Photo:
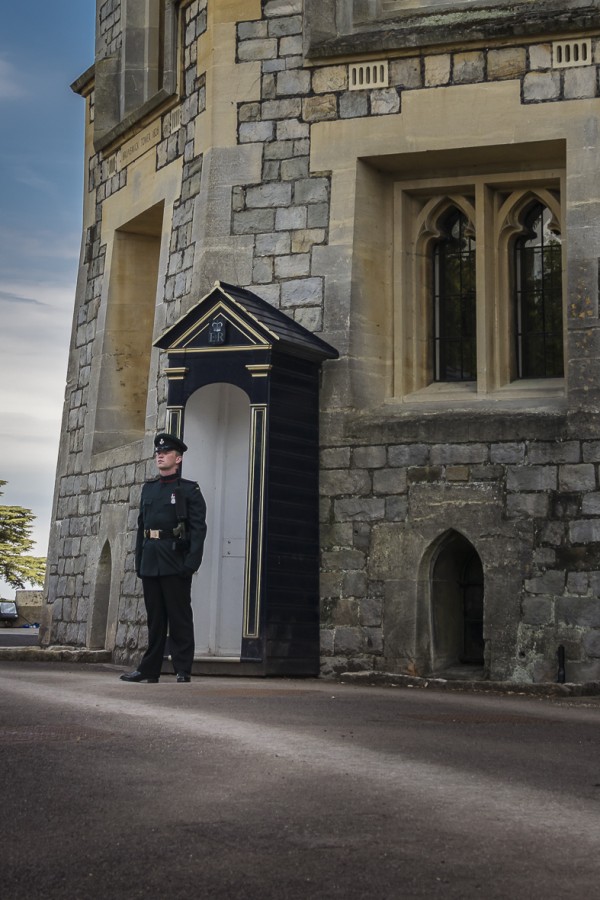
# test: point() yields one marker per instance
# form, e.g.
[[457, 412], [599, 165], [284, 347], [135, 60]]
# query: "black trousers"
[[169, 610]]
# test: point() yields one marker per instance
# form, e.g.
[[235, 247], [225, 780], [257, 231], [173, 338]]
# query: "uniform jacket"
[[169, 556]]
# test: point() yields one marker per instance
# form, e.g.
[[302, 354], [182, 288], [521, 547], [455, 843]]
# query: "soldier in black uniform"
[[170, 540]]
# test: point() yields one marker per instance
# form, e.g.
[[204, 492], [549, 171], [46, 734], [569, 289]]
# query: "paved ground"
[[231, 788]]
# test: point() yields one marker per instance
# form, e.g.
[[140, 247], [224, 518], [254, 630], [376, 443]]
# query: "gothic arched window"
[[538, 297], [454, 345]]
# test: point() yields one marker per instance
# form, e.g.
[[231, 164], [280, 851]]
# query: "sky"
[[44, 47]]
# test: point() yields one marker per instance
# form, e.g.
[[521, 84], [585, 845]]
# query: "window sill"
[[525, 393]]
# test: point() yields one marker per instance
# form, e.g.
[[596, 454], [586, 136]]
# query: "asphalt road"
[[232, 788]]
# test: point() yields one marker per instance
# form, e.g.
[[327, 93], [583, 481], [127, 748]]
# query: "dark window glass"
[[454, 347], [538, 298]]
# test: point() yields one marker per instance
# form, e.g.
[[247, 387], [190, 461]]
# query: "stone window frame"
[[495, 205], [117, 110], [338, 27]]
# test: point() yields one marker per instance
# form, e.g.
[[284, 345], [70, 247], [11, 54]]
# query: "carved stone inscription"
[[138, 145]]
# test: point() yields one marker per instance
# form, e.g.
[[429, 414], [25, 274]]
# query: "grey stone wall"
[[375, 476]]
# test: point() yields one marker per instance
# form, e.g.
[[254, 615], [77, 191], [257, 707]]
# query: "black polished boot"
[[183, 678], [138, 676]]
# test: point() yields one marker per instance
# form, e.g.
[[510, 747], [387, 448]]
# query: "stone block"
[[541, 452], [590, 505], [254, 221], [262, 48], [389, 481], [329, 78], [534, 506], [550, 582], [283, 8], [262, 270], [247, 30], [331, 585], [457, 473], [537, 611], [335, 457], [506, 63], [294, 266], [508, 453], [469, 68], [273, 244], [531, 478], [311, 190], [291, 45], [285, 26], [310, 317], [292, 169], [342, 560], [304, 239], [318, 215], [359, 509], [385, 102], [320, 108], [577, 583], [409, 455], [292, 130], [539, 86], [293, 82], [580, 477], [339, 482], [348, 640], [540, 56], [301, 290], [578, 611], [268, 195], [355, 584], [256, 132], [406, 73], [591, 644], [438, 69], [456, 454], [369, 457], [585, 531], [581, 83], [281, 109], [396, 508], [353, 105], [370, 611], [290, 219]]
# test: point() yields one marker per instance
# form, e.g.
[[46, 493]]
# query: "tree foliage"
[[17, 568]]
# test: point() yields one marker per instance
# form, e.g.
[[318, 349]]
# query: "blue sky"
[[44, 47]]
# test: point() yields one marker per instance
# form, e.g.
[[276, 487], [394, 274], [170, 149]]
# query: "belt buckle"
[[154, 533]]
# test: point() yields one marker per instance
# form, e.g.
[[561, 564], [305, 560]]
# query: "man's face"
[[167, 461]]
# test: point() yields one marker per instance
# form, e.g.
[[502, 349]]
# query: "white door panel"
[[217, 430]]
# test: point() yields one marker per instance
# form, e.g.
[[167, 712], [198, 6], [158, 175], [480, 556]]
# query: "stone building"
[[416, 185]]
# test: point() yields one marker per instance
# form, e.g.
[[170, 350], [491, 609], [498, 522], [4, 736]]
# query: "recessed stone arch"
[[456, 598], [96, 638]]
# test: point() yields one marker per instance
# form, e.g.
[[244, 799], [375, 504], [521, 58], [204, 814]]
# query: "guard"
[[170, 540]]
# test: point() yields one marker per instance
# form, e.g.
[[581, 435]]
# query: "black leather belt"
[[157, 535]]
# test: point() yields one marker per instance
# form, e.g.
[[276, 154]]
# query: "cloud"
[[27, 246], [11, 86], [7, 297]]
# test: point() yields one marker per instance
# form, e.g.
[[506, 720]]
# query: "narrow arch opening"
[[457, 605], [97, 631]]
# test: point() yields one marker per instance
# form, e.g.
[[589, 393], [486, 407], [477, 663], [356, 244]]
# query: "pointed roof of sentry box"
[[249, 321]]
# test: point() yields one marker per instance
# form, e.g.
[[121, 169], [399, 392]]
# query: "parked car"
[[8, 612]]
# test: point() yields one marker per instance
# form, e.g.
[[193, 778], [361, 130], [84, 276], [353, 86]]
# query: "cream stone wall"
[[262, 167]]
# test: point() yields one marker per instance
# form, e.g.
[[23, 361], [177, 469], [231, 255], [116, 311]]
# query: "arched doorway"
[[96, 638], [217, 432], [457, 604]]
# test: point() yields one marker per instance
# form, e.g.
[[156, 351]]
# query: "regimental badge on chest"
[[173, 499]]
